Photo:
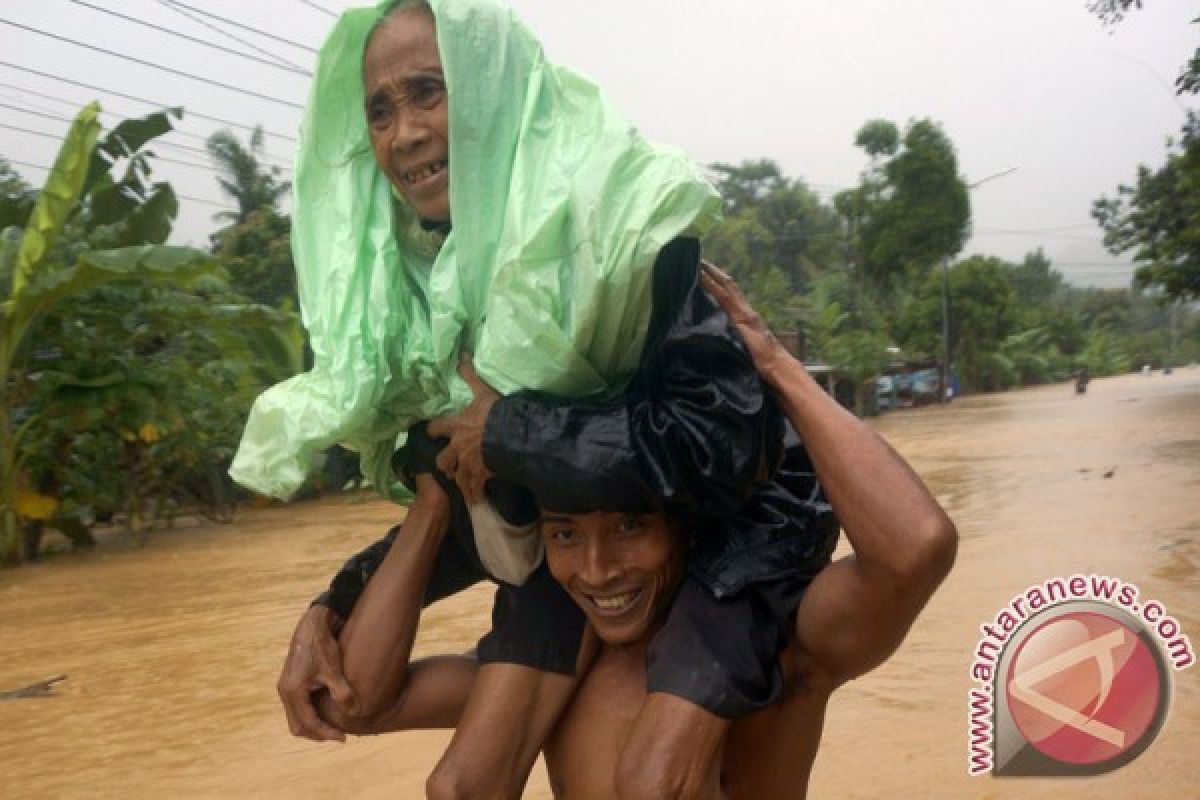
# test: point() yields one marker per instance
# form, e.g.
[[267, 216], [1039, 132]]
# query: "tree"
[[983, 314], [846, 334], [1025, 358], [1035, 280], [1158, 219], [16, 197], [777, 237], [1112, 12], [878, 138], [744, 185], [1104, 354], [244, 176], [40, 270], [911, 208], [257, 252], [160, 381]]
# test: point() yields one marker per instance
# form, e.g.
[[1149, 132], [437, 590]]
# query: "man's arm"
[[314, 660], [511, 712], [377, 640], [857, 611]]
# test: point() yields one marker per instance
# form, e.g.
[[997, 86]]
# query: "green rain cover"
[[559, 208]]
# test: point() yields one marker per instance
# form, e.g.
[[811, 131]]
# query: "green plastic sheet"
[[559, 208]]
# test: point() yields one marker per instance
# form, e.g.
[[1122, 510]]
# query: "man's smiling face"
[[621, 569], [407, 110]]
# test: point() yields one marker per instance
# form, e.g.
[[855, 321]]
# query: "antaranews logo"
[[1071, 678]]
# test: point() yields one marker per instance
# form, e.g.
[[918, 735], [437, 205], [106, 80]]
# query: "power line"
[[193, 39], [135, 98], [57, 137], [205, 202], [58, 117], [161, 143], [152, 65], [1051, 229], [1093, 264], [74, 104], [19, 129], [1078, 237], [26, 164], [322, 9], [239, 25], [61, 118], [180, 196], [229, 35]]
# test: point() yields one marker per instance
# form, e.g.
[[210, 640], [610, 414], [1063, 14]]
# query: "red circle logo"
[[1083, 688]]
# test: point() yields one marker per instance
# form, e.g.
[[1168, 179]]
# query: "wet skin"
[[407, 110], [620, 568]]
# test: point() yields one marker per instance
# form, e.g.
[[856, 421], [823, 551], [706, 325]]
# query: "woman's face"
[[407, 112]]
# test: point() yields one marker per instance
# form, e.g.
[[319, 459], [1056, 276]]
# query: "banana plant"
[[41, 269]]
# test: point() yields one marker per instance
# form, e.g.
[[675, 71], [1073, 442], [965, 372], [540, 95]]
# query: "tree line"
[[127, 366]]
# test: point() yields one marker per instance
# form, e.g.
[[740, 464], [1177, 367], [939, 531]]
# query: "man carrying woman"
[[457, 193], [624, 570]]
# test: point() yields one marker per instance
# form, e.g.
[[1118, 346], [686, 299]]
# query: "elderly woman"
[[508, 211]]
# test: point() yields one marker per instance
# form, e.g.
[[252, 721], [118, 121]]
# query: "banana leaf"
[[153, 263], [57, 199]]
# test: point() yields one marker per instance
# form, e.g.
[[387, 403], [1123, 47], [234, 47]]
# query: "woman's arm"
[[857, 611], [377, 640]]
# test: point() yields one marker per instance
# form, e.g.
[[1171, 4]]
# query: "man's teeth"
[[616, 601], [424, 172]]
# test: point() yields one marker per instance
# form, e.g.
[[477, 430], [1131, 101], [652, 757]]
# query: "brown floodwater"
[[172, 650]]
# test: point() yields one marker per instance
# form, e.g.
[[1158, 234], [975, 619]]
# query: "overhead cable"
[[135, 98], [58, 117], [196, 19], [152, 65], [193, 39], [179, 7], [239, 25], [177, 194], [322, 9], [57, 137], [19, 129], [187, 148]]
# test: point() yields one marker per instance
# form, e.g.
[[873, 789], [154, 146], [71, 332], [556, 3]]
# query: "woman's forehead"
[[405, 43]]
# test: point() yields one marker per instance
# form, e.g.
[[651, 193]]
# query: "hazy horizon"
[[1045, 88]]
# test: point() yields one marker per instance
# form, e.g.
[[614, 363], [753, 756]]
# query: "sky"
[[1036, 85]]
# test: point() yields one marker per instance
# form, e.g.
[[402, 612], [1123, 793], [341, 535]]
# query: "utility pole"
[[945, 381]]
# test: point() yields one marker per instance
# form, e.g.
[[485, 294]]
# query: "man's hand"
[[764, 348], [462, 459], [314, 662]]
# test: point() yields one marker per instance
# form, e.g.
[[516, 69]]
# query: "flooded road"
[[172, 650]]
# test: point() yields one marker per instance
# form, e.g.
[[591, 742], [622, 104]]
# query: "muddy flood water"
[[172, 650]]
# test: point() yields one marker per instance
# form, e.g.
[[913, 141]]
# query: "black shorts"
[[723, 654], [720, 654], [534, 625]]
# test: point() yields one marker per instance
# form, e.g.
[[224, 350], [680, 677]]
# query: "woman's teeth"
[[427, 171], [615, 602]]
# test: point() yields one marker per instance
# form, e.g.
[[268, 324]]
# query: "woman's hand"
[[462, 458], [430, 501], [768, 354]]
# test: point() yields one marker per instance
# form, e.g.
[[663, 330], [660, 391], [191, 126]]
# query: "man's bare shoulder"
[[771, 752], [582, 753], [767, 754]]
